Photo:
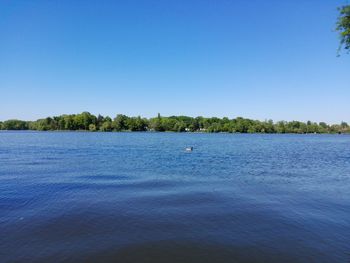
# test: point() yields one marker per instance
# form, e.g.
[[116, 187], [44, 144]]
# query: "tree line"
[[86, 121]]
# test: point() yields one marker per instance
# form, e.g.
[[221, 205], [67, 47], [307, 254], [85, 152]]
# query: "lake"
[[140, 197]]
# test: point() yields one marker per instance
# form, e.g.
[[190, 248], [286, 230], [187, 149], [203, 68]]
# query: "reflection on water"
[[139, 197]]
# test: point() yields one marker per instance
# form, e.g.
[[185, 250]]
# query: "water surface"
[[139, 197]]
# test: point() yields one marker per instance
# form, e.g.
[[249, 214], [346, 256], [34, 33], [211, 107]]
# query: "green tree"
[[69, 123], [168, 124], [120, 123], [179, 126], [83, 120], [136, 124], [106, 126], [99, 121], [343, 27], [156, 123], [281, 127], [14, 125], [43, 124]]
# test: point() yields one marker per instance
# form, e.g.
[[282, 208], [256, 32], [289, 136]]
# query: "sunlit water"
[[140, 197]]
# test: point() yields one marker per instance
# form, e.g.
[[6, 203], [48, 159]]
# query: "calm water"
[[139, 197]]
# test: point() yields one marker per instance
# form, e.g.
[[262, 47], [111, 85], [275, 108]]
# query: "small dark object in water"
[[189, 149]]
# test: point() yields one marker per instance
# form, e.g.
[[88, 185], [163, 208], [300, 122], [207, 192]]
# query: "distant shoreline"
[[121, 123], [172, 132]]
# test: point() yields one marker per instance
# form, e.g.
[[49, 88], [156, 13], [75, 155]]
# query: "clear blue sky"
[[260, 59]]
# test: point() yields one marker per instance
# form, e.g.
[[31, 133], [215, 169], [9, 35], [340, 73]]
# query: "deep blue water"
[[139, 197]]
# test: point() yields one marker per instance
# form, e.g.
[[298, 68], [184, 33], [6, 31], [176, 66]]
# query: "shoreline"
[[187, 132]]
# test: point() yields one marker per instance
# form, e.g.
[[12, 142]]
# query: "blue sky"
[[260, 59]]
